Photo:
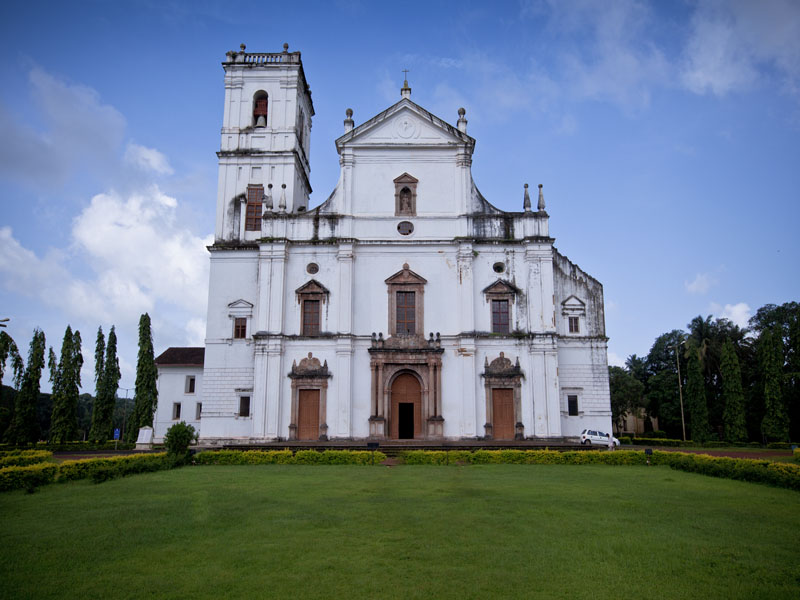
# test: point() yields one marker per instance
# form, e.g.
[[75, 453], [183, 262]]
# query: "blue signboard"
[[116, 434]]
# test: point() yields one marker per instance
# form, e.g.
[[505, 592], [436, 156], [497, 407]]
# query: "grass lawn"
[[494, 531]]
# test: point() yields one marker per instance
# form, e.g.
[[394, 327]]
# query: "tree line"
[[64, 415], [736, 384]]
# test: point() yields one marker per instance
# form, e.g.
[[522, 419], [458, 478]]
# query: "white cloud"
[[141, 251], [701, 284], [730, 42], [739, 314], [147, 159], [615, 360]]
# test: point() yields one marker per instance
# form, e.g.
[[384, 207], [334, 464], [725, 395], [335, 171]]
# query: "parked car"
[[590, 436]]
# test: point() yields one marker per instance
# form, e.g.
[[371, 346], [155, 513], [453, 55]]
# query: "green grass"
[[499, 531]]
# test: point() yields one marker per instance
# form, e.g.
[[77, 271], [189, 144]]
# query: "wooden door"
[[503, 414], [308, 415], [406, 390]]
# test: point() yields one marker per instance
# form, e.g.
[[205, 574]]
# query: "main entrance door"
[[503, 414], [406, 415], [308, 415]]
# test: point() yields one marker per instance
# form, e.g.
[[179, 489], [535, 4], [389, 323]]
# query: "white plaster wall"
[[171, 388]]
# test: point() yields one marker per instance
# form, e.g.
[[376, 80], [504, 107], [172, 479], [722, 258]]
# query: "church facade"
[[405, 306]]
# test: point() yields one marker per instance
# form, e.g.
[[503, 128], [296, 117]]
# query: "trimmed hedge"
[[71, 446], [778, 474], [28, 477], [663, 442], [101, 469], [286, 457], [21, 458]]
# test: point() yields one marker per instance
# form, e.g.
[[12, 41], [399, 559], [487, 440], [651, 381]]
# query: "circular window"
[[405, 227], [312, 268], [499, 267]]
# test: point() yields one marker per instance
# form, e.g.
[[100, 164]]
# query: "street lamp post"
[[680, 388]]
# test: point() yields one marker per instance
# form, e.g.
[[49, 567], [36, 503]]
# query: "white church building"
[[405, 306]]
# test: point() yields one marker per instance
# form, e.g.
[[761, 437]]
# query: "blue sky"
[[666, 134]]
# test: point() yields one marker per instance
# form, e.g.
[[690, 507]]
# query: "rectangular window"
[[572, 404], [176, 411], [240, 328], [310, 317], [500, 316], [406, 313], [188, 387], [244, 406], [198, 410], [574, 325], [253, 211]]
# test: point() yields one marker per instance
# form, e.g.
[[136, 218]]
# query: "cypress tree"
[[733, 414], [696, 398], [775, 425], [99, 356], [24, 428], [146, 393], [8, 348], [66, 378], [103, 411]]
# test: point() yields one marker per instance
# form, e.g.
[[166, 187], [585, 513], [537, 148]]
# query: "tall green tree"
[[696, 396], [99, 357], [626, 395], [733, 415], [103, 411], [66, 377], [8, 349], [146, 394], [775, 425], [661, 388], [24, 428]]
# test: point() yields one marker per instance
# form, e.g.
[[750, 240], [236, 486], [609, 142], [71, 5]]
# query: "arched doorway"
[[406, 410]]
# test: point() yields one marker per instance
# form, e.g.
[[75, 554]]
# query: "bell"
[[262, 121]]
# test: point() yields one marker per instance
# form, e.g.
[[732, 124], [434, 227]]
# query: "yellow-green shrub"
[[27, 477], [21, 458], [286, 457], [109, 468]]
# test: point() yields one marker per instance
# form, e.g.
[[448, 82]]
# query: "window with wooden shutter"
[[500, 316], [406, 313], [253, 211], [240, 328], [311, 317]]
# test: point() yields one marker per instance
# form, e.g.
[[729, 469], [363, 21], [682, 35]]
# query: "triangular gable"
[[406, 276], [500, 287], [573, 305], [240, 304], [405, 178], [419, 120], [312, 287]]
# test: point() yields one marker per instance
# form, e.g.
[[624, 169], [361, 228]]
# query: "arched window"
[[260, 109]]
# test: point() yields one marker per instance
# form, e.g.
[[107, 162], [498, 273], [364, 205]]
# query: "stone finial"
[[405, 266], [282, 201], [242, 47], [540, 205], [348, 122], [486, 363], [526, 201], [405, 91], [268, 198], [285, 48], [309, 355], [462, 120]]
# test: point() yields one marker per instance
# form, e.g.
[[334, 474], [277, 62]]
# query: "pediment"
[[404, 123], [312, 287], [240, 303], [573, 305], [405, 178], [406, 276], [500, 287]]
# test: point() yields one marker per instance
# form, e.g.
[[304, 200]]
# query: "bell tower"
[[265, 146]]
